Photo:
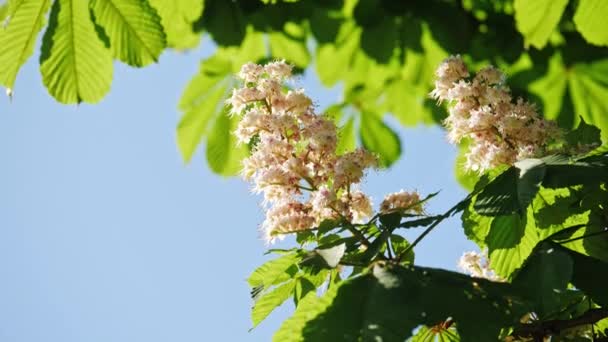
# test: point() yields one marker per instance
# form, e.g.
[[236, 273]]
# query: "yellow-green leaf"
[[290, 45], [23, 20], [377, 137], [224, 155], [133, 26], [75, 64], [270, 301], [590, 20], [536, 19], [177, 18]]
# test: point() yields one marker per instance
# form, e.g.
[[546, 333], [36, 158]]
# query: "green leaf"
[[389, 303], [513, 190], [203, 107], [134, 28], [290, 45], [177, 18], [377, 137], [566, 90], [537, 19], [224, 154], [225, 22], [400, 245], [273, 272], [436, 333], [466, 178], [590, 275], [476, 227], [545, 278], [510, 242], [584, 134], [531, 174], [499, 197], [588, 85], [75, 64], [265, 304], [333, 60], [347, 140], [590, 21], [23, 21]]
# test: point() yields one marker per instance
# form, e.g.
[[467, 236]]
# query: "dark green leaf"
[[590, 275], [388, 304], [584, 134], [545, 277]]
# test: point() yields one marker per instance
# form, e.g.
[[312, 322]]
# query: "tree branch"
[[538, 330]]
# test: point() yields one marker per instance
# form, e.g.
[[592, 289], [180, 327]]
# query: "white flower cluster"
[[294, 150], [477, 265], [501, 130], [401, 201]]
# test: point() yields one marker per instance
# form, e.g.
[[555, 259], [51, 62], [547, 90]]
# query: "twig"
[[555, 326]]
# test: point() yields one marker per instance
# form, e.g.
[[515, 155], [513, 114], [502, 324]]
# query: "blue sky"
[[105, 235]]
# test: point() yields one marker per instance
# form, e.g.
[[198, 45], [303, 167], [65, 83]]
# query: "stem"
[[438, 220], [420, 237], [356, 233], [555, 326]]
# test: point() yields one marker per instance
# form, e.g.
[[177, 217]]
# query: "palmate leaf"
[[545, 277], [510, 242], [581, 86], [204, 108], [513, 190], [390, 302], [436, 334], [590, 21], [274, 272], [377, 137], [590, 275], [23, 20], [290, 45], [75, 64], [537, 19], [134, 28], [267, 302], [177, 18]]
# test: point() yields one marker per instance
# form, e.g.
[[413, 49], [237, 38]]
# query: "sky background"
[[106, 236]]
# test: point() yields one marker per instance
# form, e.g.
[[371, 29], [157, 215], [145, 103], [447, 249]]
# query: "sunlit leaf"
[[510, 242], [377, 137], [22, 21], [75, 64], [267, 302], [537, 19], [273, 272], [290, 45], [134, 28], [224, 154], [590, 21], [177, 18]]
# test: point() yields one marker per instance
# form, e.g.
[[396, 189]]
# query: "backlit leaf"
[[75, 64], [134, 28]]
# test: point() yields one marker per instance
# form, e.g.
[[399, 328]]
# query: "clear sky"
[[106, 236]]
